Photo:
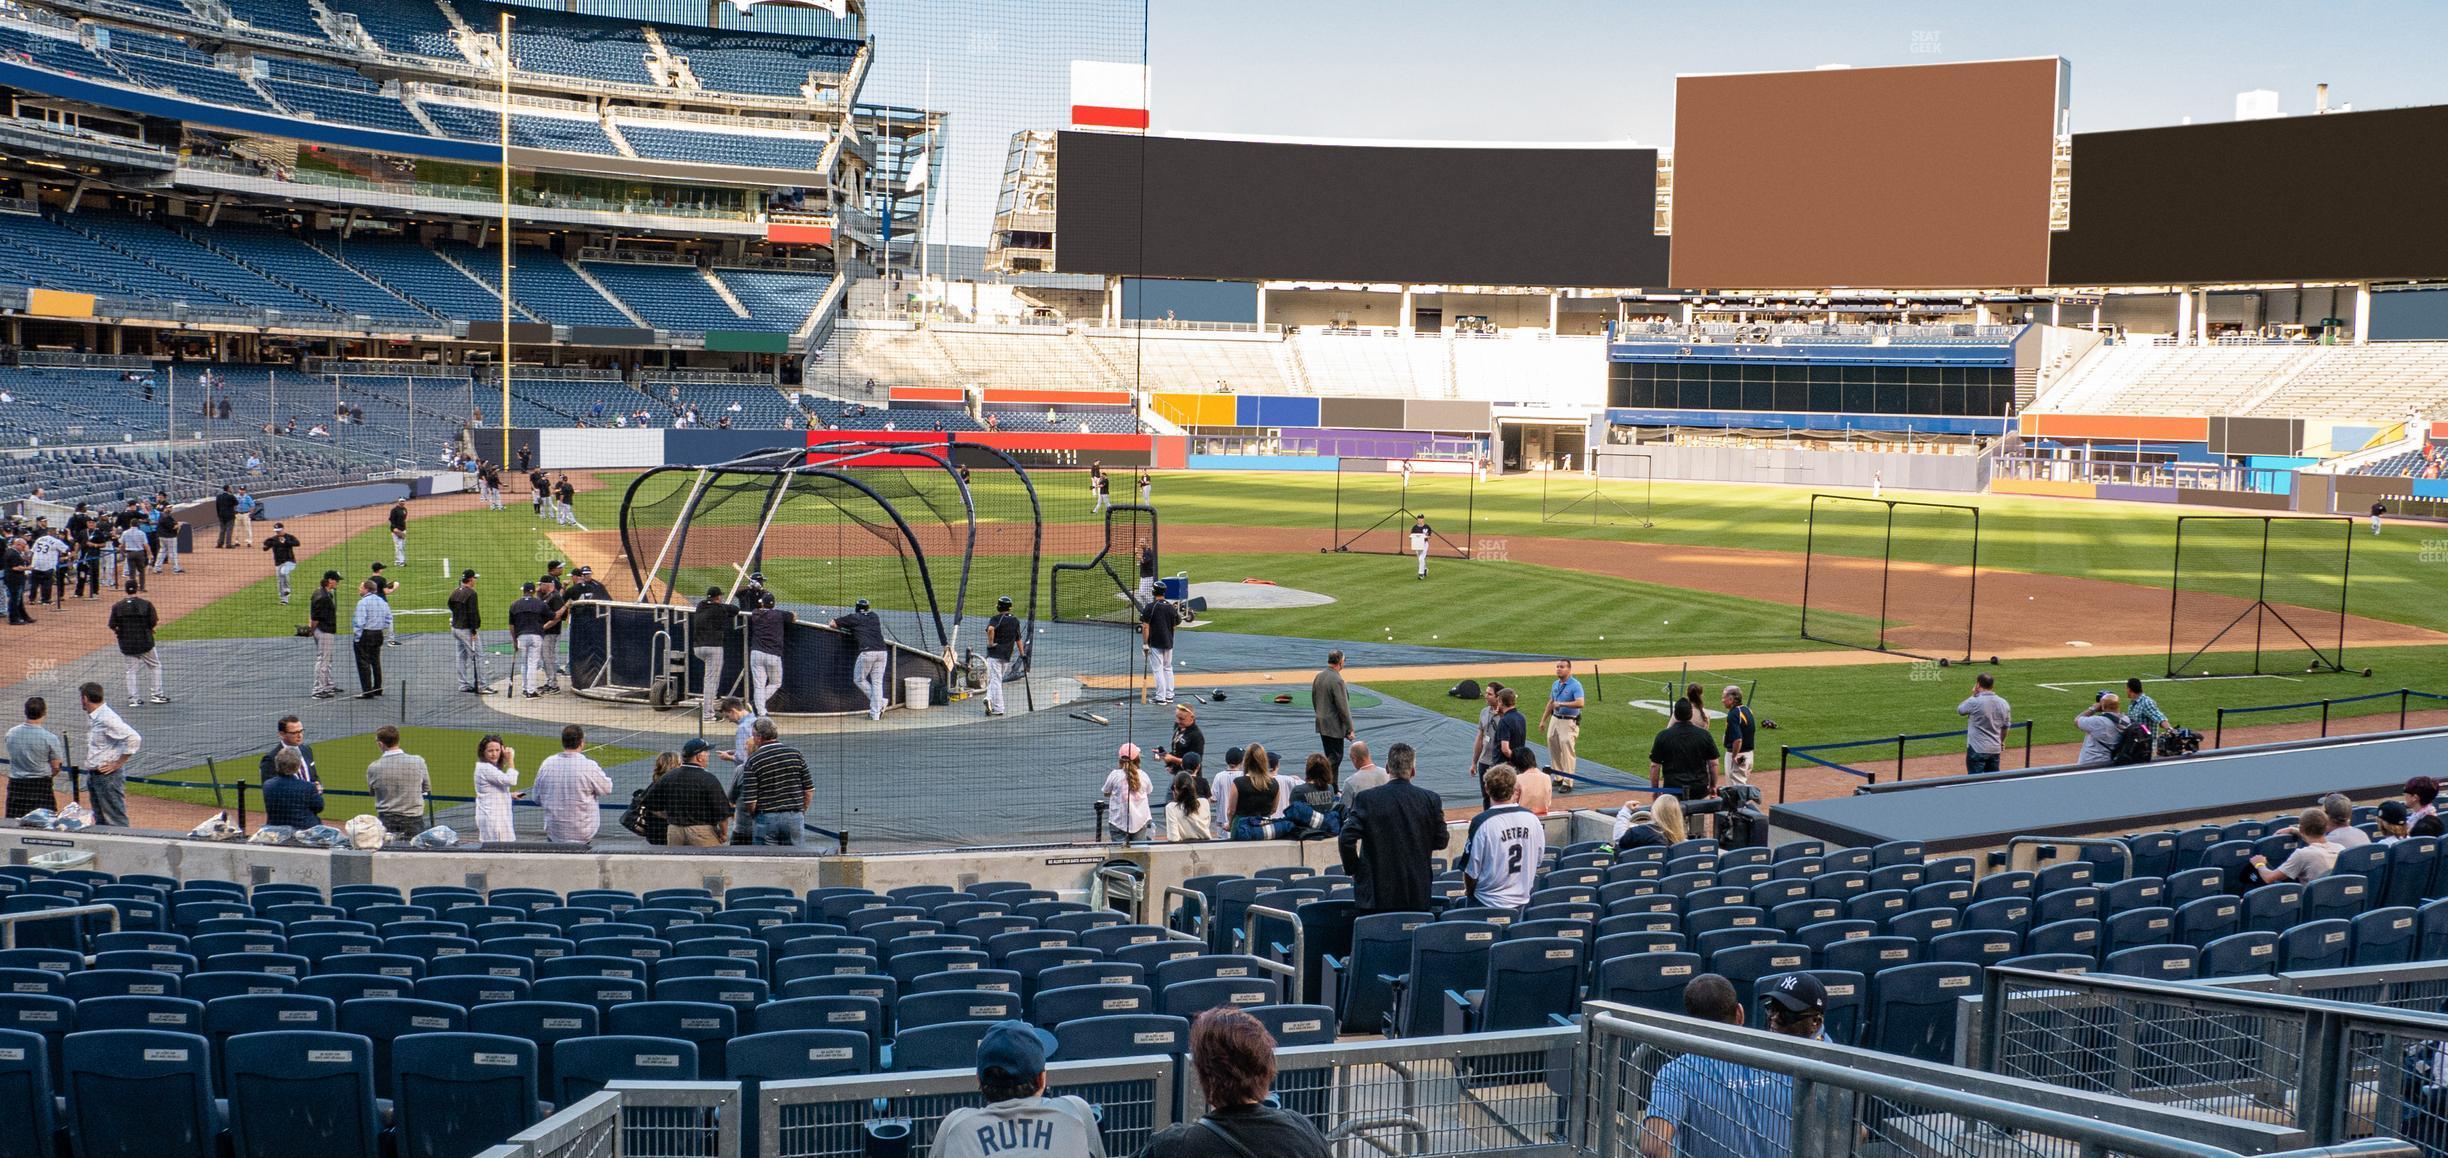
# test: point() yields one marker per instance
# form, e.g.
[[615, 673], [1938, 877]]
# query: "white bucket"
[[917, 693]]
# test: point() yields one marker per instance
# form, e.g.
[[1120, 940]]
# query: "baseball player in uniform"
[[768, 631], [467, 627], [1147, 573], [527, 616], [1421, 533], [1004, 647], [1098, 484], [399, 534], [867, 635], [1156, 631], [709, 628], [283, 546]]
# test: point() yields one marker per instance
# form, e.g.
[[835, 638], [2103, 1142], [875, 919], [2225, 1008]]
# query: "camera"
[[2098, 696], [1742, 824]]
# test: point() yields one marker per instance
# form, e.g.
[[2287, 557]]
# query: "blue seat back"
[[1975, 946], [1913, 1008], [142, 1091], [1646, 980], [300, 1093], [176, 1014], [1121, 1035], [1381, 945], [2273, 908], [384, 1020], [2157, 962], [915, 1010], [1868, 955], [2327, 944], [950, 1045], [461, 1093], [583, 1065], [2336, 897], [2240, 955], [87, 984], [2137, 927], [541, 1022], [2080, 936], [705, 1025], [2385, 936], [2413, 866], [1052, 1007], [1529, 981], [25, 1095]]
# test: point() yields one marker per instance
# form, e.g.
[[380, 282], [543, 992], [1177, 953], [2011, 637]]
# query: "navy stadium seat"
[[141, 1092], [2325, 944], [2240, 955], [1121, 1035], [583, 1065], [461, 1093], [25, 1096], [541, 1022], [1646, 980], [2387, 936], [1913, 1008]]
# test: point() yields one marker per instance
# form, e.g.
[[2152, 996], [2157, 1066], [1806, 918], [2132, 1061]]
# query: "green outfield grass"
[[2125, 542], [340, 761], [1869, 701]]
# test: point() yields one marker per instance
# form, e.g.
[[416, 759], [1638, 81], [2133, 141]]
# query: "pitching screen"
[[1933, 176], [1201, 208], [2354, 195]]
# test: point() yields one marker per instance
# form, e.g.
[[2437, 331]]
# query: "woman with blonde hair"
[[1254, 799], [1126, 796], [1658, 822]]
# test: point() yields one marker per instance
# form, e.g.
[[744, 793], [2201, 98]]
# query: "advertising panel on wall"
[[1193, 207], [1927, 176]]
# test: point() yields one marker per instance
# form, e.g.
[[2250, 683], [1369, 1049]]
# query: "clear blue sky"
[[1582, 70]]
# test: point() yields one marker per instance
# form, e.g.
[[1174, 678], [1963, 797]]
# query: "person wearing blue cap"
[[1018, 1119]]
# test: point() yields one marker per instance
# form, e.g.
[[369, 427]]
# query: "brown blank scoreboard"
[[1919, 177]]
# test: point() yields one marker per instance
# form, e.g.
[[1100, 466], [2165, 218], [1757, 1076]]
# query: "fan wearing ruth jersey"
[[1506, 844]]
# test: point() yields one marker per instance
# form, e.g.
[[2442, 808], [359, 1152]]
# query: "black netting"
[[2254, 594], [1892, 576]]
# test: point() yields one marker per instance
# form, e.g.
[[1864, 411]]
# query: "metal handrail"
[[1189, 897], [1298, 970], [10, 921]]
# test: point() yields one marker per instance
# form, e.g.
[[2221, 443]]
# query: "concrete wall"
[[1064, 869]]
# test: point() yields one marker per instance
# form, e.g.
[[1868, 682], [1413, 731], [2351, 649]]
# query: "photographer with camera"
[[1683, 758], [2102, 725]]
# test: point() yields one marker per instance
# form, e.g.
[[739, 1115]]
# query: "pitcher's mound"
[[1252, 596]]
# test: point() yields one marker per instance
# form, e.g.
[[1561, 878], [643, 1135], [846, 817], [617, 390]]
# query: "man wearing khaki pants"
[[1741, 735], [1563, 719]]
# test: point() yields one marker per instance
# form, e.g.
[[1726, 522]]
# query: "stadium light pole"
[[505, 236]]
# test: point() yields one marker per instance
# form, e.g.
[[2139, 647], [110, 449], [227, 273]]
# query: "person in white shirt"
[[496, 788], [567, 785], [46, 553], [1506, 844], [2342, 831], [109, 744], [1125, 795], [1186, 815], [2316, 859]]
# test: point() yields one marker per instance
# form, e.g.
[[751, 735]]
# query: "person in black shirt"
[[690, 801], [1683, 757], [1388, 834], [1235, 1063], [586, 587], [1097, 485], [1004, 647], [866, 638], [539, 487], [709, 640], [1187, 736], [166, 543], [563, 492], [97, 544], [526, 457], [752, 596], [399, 532], [467, 624], [283, 546], [18, 563], [527, 616], [323, 615], [768, 635], [132, 623], [556, 601], [225, 511], [291, 798], [1147, 572], [1156, 632]]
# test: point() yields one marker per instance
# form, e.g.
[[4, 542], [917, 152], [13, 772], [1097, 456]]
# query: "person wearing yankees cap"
[[867, 636], [1004, 647]]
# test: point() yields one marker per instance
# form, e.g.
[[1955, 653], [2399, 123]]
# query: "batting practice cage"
[[932, 535], [1891, 575], [2258, 594], [1113, 585], [1613, 492], [1376, 500]]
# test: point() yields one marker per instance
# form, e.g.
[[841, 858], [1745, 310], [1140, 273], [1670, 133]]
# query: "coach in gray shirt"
[[1986, 715], [399, 784]]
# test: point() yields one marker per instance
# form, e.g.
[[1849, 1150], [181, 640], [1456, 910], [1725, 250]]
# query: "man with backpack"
[[2109, 737]]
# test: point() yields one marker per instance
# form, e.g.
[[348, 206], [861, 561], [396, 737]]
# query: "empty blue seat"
[[862, 1014], [176, 1014], [1745, 965], [1528, 984], [1646, 980], [743, 994], [2079, 936], [1868, 955], [2240, 955], [875, 987], [1923, 924], [470, 991], [583, 1065], [227, 1017], [299, 1093], [601, 992], [541, 1022], [142, 1091], [1825, 933], [2327, 944], [1879, 905], [2136, 893], [2386, 936], [2368, 861], [49, 1016], [1052, 1007], [1975, 946], [2137, 927], [395, 965], [2433, 944], [2413, 863], [2159, 962], [33, 981], [2052, 962], [2273, 908], [2336, 897], [2068, 904], [1380, 947], [1122, 1035], [383, 1021], [1913, 1008], [2199, 922], [1188, 999], [87, 984], [483, 965], [25, 1096], [916, 1010], [461, 1093], [950, 1045], [704, 1025]]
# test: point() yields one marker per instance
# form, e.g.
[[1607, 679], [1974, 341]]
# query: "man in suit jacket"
[[1387, 838], [292, 738], [1333, 704]]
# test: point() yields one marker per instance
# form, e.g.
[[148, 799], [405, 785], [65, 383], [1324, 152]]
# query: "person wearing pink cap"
[[1126, 796]]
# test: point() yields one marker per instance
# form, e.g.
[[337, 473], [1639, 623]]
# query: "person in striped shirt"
[[775, 786]]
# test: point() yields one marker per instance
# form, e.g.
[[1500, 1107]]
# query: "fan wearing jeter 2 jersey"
[[1505, 846]]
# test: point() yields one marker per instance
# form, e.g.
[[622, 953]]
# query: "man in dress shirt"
[[567, 786], [371, 623]]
